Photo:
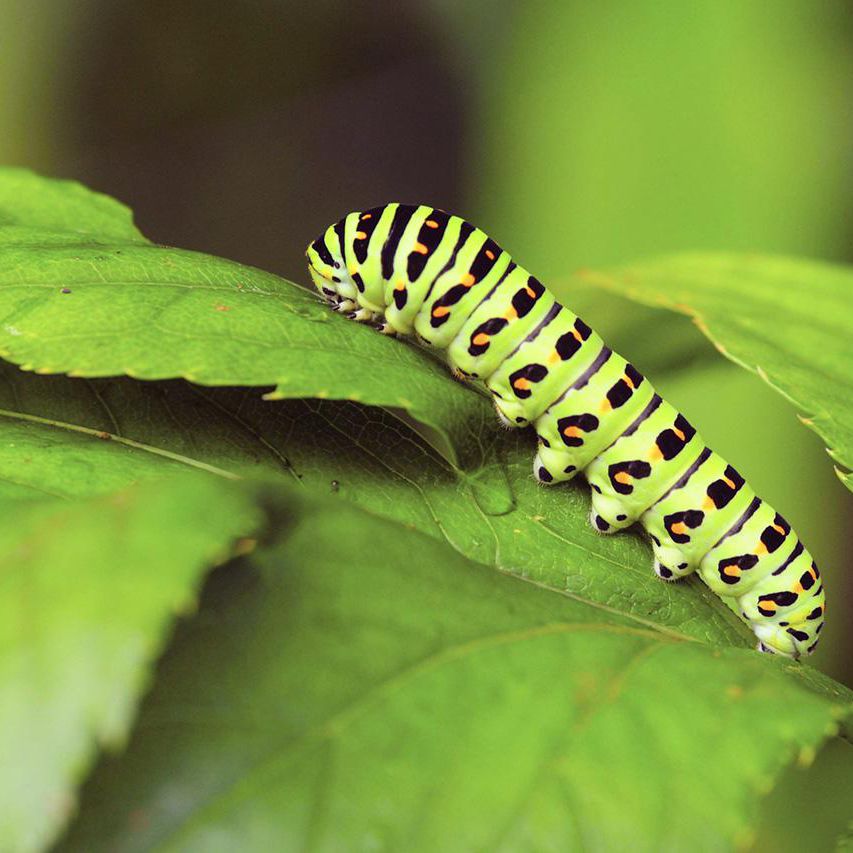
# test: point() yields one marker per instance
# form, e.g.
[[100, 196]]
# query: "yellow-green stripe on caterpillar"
[[417, 270]]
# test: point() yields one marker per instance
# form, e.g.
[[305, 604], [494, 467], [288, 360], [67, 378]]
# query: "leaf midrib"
[[103, 435]]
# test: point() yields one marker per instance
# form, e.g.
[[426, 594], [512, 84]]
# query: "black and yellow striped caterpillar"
[[418, 270]]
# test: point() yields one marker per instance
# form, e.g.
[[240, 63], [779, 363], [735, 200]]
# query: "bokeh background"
[[577, 133]]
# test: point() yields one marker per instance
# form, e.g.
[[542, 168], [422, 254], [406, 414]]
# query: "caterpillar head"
[[327, 267]]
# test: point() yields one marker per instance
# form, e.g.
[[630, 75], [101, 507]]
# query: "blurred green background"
[[576, 133]]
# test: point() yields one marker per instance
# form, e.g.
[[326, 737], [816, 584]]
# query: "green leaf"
[[88, 596], [28, 201], [787, 320], [154, 313], [82, 292], [785, 825], [91, 437], [355, 685]]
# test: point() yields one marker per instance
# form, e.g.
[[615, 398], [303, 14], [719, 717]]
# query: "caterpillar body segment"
[[415, 270]]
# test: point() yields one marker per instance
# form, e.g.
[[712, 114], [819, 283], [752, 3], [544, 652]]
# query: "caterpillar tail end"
[[773, 640], [769, 650]]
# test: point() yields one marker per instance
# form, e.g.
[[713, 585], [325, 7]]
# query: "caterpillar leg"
[[385, 328], [505, 421], [600, 524], [609, 513], [549, 467], [673, 571], [362, 315], [671, 563]]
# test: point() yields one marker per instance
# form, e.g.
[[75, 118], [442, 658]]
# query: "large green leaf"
[[89, 437], [790, 321], [353, 685], [88, 591], [77, 297], [28, 201]]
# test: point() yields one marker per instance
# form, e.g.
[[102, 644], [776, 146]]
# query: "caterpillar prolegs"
[[418, 270]]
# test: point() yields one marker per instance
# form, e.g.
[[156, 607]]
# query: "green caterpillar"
[[418, 270]]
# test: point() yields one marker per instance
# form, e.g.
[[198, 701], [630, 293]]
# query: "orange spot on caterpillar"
[[732, 570], [360, 235], [678, 432], [768, 605], [622, 477], [480, 339], [530, 291], [468, 280], [731, 485], [630, 383], [577, 336], [708, 504], [440, 311], [797, 588], [655, 454], [521, 383], [400, 285], [490, 254], [779, 529], [431, 223], [605, 405], [679, 527], [510, 314], [554, 357], [571, 432], [420, 249], [760, 549], [366, 216]]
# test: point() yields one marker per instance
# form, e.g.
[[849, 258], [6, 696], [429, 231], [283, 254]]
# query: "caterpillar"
[[416, 270]]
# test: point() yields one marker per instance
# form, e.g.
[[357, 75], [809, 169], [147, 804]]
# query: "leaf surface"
[[93, 436], [82, 293], [401, 697], [788, 320], [28, 201], [87, 596]]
